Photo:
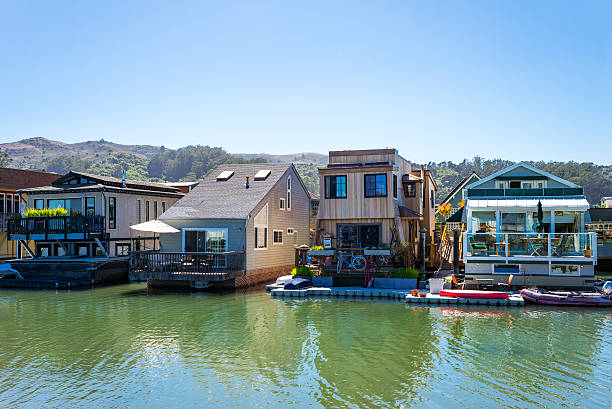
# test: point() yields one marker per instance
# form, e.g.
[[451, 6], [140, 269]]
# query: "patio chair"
[[560, 248], [479, 248], [507, 285]]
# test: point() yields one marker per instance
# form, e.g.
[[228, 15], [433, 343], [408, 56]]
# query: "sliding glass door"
[[206, 241]]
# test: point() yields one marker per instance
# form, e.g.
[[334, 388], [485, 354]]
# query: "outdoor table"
[[497, 247]]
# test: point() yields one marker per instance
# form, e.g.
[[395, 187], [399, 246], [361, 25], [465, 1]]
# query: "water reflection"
[[126, 346]]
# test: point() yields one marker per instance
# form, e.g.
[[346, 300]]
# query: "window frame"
[[155, 208], [375, 176], [274, 242], [328, 192], [117, 245], [112, 213], [139, 210], [281, 204], [147, 210], [412, 191], [87, 208], [394, 186], [288, 203], [36, 201]]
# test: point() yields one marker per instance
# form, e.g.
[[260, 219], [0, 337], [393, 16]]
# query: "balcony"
[[186, 266], [56, 228], [550, 192], [580, 248], [4, 218]]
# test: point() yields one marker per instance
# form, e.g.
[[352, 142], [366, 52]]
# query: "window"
[[358, 235], [501, 185], [9, 203], [112, 212], [395, 186], [205, 240], [526, 185], [281, 205], [278, 237], [16, 204], [155, 209], [515, 184], [1, 202], [335, 187], [375, 185], [82, 249], [261, 237], [163, 207], [139, 210], [147, 211], [74, 206], [39, 203], [122, 249], [289, 193], [432, 199], [90, 206], [565, 270], [540, 185], [409, 189], [260, 223], [290, 230]]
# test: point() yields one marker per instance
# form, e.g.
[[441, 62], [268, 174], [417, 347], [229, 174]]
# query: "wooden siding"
[[363, 156], [298, 218]]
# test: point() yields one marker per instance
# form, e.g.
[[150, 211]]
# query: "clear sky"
[[520, 80]]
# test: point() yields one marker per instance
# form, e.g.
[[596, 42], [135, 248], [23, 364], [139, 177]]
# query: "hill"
[[156, 163]]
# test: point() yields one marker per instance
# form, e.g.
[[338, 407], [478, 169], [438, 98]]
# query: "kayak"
[[566, 298], [475, 294]]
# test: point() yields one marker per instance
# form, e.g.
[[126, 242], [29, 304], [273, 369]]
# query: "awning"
[[154, 226], [575, 204], [406, 212]]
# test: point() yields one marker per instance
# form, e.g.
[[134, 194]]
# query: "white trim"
[[282, 240], [267, 232], [284, 203], [289, 194], [527, 166]]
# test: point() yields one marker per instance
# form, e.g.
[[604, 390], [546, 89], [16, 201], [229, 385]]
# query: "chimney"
[[246, 185], [123, 178]]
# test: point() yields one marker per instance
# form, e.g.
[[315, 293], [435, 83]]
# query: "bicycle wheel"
[[359, 263]]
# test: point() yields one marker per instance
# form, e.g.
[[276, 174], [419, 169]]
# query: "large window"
[[39, 204], [90, 206], [358, 235], [376, 185], [409, 189], [139, 210], [74, 206], [335, 187], [206, 240], [513, 222], [260, 223], [112, 212]]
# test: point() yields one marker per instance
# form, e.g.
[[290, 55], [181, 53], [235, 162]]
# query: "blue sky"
[[438, 80]]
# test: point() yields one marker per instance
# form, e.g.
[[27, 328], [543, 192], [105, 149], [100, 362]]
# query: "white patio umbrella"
[[154, 226]]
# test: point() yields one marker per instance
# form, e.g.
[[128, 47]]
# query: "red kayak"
[[566, 298], [477, 294]]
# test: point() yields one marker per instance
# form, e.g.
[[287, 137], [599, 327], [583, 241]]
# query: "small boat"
[[566, 298], [475, 294]]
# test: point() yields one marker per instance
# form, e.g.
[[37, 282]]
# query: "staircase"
[[445, 250]]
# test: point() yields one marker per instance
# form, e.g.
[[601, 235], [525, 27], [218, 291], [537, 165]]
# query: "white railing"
[[514, 247]]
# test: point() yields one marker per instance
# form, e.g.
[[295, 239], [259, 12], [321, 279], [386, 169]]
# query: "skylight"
[[263, 174], [225, 175]]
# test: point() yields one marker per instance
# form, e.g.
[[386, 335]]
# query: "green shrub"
[[45, 212], [303, 271], [314, 248], [405, 273]]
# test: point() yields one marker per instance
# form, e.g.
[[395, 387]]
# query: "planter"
[[395, 283], [587, 252], [319, 281], [321, 252], [375, 252], [435, 285]]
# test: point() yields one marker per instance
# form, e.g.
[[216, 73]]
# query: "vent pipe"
[[246, 185], [123, 178]]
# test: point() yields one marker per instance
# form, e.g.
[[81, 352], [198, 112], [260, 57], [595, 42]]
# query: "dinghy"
[[566, 298], [475, 294]]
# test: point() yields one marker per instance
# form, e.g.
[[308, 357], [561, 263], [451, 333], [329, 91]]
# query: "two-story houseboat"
[[528, 223], [374, 198], [94, 234], [238, 227]]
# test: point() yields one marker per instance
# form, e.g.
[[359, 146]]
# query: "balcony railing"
[[565, 191], [529, 246], [57, 227], [189, 266], [4, 218]]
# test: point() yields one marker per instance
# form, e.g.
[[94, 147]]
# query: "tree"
[[5, 160]]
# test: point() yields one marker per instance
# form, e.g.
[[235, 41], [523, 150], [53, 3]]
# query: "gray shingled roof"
[[228, 199]]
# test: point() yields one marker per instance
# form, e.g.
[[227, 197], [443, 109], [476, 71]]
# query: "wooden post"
[[456, 251]]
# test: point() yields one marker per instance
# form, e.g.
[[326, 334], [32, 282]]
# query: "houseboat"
[[238, 227], [11, 203], [528, 223], [90, 243]]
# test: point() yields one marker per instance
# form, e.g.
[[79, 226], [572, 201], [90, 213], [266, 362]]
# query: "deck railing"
[[534, 192], [359, 260], [57, 225], [189, 266], [511, 246], [4, 218]]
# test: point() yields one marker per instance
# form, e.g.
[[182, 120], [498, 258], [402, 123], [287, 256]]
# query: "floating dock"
[[515, 300]]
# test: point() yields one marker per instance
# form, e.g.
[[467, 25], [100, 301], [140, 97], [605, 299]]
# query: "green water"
[[126, 347]]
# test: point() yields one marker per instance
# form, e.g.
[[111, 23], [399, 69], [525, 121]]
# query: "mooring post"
[[456, 251], [422, 249]]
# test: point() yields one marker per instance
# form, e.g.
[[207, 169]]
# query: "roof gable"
[[520, 170], [465, 182]]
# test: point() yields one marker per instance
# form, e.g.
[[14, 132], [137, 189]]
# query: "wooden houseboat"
[[238, 227]]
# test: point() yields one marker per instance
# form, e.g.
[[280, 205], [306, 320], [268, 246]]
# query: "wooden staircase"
[[445, 251]]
